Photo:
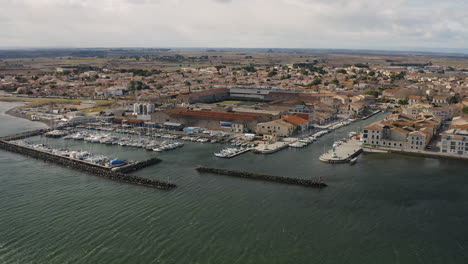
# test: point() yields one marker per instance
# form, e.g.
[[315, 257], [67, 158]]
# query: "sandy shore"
[[14, 112]]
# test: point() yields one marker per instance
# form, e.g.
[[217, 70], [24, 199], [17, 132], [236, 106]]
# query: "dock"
[[263, 177], [372, 114], [343, 153], [119, 174], [271, 148]]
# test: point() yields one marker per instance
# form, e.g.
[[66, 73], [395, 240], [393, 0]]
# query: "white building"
[[143, 111], [455, 141]]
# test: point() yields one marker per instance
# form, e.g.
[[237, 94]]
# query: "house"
[[440, 100], [414, 99], [389, 94], [301, 123], [459, 122], [444, 113], [278, 128], [357, 108]]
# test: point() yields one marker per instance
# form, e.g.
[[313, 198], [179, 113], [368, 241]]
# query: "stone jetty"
[[26, 134], [116, 175], [137, 165], [263, 177]]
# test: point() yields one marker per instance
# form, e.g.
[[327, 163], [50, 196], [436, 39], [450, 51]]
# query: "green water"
[[384, 209]]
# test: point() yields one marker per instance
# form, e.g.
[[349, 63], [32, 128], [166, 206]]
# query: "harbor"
[[115, 170]]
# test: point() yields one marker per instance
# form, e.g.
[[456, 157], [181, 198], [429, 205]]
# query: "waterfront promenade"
[[417, 153]]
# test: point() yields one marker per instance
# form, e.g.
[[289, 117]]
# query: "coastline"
[[14, 113]]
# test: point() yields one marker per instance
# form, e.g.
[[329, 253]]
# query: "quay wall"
[[86, 167], [424, 154], [263, 177], [345, 160]]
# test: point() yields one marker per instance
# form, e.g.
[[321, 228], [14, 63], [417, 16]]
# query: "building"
[[414, 99], [143, 109], [301, 123], [259, 93], [401, 132], [206, 96], [278, 128], [440, 100], [76, 118], [389, 94], [455, 141], [216, 120]]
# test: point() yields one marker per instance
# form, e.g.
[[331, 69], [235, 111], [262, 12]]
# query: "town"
[[258, 101]]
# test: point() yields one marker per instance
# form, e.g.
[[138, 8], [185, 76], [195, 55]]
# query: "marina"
[[101, 166]]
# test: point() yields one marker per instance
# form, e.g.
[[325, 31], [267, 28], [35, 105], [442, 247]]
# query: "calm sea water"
[[384, 209]]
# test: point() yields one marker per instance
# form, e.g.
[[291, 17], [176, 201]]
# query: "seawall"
[[263, 177]]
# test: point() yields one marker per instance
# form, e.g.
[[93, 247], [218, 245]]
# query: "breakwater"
[[26, 134], [137, 165], [89, 167], [263, 177]]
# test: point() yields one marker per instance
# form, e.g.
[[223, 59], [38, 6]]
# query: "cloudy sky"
[[353, 24]]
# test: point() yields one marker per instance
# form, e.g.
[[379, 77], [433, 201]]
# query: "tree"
[[272, 73], [465, 110], [315, 82], [403, 101], [360, 65], [373, 93], [343, 71], [249, 68]]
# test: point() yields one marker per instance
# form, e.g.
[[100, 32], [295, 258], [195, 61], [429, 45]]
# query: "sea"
[[384, 209]]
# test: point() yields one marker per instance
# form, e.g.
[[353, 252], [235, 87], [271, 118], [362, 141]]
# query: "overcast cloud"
[[377, 24]]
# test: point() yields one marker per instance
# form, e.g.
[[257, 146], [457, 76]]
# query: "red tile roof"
[[221, 116], [295, 120]]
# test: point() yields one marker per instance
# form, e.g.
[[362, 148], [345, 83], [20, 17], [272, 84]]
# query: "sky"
[[339, 24]]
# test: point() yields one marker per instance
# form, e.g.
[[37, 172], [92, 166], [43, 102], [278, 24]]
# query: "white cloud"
[[235, 23]]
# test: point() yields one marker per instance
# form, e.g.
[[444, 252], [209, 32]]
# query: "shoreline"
[[13, 112]]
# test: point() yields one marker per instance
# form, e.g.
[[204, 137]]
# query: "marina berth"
[[232, 152]]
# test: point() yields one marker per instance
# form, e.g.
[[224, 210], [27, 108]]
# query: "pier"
[[372, 114], [26, 134], [343, 153], [104, 172], [263, 177], [269, 148]]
